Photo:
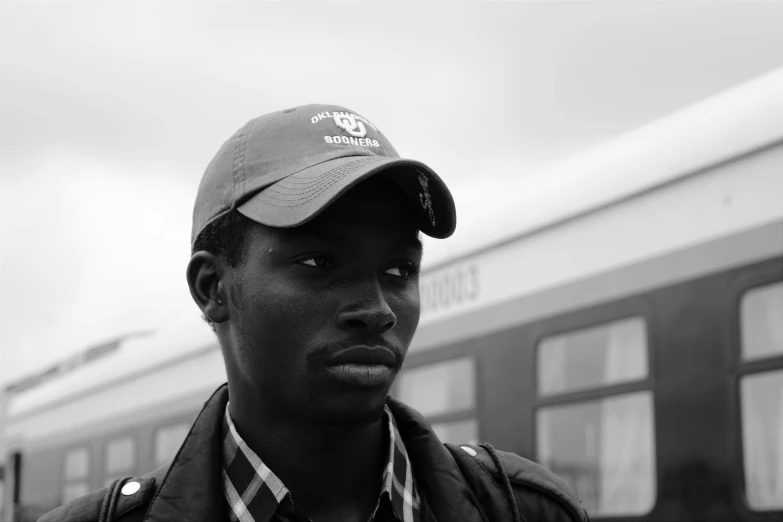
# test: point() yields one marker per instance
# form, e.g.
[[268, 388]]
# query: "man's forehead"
[[377, 201], [343, 224]]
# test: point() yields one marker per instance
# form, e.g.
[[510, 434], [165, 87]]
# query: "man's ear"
[[205, 274]]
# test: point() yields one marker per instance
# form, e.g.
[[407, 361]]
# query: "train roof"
[[134, 355], [734, 122]]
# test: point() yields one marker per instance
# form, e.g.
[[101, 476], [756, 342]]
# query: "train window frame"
[[107, 475], [187, 423], [622, 309], [449, 413], [445, 354], [78, 447], [592, 318], [740, 329], [85, 480], [581, 391], [752, 277]]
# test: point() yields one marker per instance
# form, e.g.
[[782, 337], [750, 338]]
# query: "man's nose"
[[369, 313]]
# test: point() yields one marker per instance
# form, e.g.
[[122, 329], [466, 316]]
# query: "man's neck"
[[332, 472]]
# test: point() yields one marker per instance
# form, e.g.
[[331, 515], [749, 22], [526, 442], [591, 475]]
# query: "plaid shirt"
[[255, 494]]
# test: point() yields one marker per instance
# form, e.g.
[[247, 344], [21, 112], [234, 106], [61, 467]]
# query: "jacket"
[[467, 483]]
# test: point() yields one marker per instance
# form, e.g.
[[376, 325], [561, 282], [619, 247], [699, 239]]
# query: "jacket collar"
[[192, 489], [439, 479]]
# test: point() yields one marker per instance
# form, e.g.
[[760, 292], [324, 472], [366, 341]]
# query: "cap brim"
[[300, 197]]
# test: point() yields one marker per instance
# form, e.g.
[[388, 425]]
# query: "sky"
[[109, 113]]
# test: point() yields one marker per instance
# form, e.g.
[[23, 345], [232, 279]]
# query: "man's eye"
[[406, 271], [317, 261]]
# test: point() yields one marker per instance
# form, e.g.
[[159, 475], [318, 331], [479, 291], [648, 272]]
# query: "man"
[[306, 251]]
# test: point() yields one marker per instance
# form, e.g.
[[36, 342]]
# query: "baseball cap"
[[282, 169]]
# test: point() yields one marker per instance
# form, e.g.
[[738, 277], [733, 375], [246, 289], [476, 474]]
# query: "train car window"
[[120, 455], [77, 464], [761, 319], [457, 432], [439, 388], [445, 392], [600, 355], [168, 440], [74, 490], [76, 470], [604, 449], [762, 437]]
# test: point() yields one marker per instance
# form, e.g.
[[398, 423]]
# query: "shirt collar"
[[254, 492]]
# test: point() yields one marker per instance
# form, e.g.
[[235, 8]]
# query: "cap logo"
[[348, 123], [425, 198]]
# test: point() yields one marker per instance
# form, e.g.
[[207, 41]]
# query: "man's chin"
[[351, 413]]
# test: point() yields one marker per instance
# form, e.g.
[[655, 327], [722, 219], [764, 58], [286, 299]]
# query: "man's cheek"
[[407, 308]]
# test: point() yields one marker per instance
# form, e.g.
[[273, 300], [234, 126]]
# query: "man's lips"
[[363, 355]]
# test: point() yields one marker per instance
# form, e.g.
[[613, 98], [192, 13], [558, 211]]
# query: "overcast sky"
[[110, 112]]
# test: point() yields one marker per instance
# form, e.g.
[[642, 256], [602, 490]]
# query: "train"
[[619, 321]]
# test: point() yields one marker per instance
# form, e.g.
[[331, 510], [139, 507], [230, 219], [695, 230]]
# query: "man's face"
[[321, 315]]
